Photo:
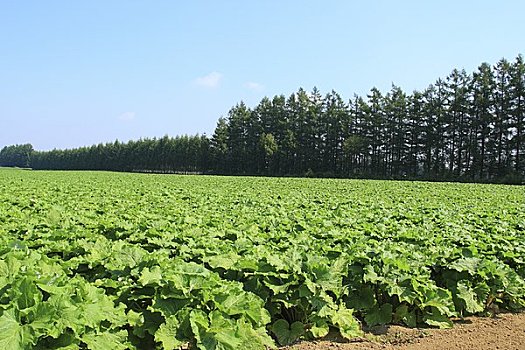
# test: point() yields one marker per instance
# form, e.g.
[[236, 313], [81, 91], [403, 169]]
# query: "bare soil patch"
[[505, 331]]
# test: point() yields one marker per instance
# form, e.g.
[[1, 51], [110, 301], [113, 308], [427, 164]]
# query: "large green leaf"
[[151, 276], [362, 298], [287, 333], [27, 293], [225, 261], [379, 315], [469, 297], [167, 333], [405, 315], [253, 339], [13, 335], [319, 327], [435, 318], [243, 303], [348, 325], [106, 340], [469, 265]]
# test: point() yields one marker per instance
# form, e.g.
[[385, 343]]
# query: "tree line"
[[465, 127], [16, 156]]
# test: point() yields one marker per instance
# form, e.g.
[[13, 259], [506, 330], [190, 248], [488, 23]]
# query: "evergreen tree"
[[16, 156]]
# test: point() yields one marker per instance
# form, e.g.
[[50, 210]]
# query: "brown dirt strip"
[[505, 331]]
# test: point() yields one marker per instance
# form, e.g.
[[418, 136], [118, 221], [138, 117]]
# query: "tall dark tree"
[[219, 146], [238, 118], [499, 135], [332, 121], [483, 118], [457, 85], [517, 113]]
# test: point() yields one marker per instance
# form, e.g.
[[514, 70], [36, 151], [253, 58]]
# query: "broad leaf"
[[14, 336], [285, 333], [379, 315]]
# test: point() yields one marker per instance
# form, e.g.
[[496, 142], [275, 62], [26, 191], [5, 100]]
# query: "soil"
[[505, 331]]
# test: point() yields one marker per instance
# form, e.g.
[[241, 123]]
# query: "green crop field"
[[96, 260]]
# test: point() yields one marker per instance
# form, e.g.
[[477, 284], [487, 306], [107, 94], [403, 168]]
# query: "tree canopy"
[[16, 156]]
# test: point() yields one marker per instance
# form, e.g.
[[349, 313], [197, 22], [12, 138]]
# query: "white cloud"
[[211, 80], [254, 86], [126, 116]]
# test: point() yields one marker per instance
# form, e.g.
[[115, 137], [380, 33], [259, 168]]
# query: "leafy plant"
[[125, 261]]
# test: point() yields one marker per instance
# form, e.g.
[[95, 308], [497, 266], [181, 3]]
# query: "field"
[[100, 260]]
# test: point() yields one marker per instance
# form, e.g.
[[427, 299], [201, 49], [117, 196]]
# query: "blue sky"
[[76, 73]]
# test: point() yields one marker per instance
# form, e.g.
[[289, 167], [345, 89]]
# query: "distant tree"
[[354, 147], [333, 119], [238, 118], [500, 133], [16, 156], [517, 113], [269, 148], [483, 113]]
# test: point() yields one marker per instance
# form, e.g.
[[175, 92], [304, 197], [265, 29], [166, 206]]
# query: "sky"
[[77, 73]]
